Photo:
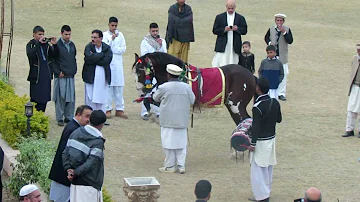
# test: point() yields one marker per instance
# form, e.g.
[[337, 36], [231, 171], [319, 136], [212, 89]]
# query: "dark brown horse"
[[239, 82]]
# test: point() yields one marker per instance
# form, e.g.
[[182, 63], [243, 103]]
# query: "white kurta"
[[145, 47], [80, 193], [173, 138], [282, 85], [265, 154], [354, 99], [118, 47], [98, 92], [229, 56], [262, 161]]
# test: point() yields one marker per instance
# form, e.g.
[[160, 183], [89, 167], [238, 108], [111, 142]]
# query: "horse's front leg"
[[233, 106], [237, 107]]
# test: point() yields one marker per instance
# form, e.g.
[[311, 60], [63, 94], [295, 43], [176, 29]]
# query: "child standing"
[[247, 58], [272, 69]]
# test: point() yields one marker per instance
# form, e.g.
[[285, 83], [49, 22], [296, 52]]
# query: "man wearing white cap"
[[280, 36], [30, 193], [354, 96], [175, 98]]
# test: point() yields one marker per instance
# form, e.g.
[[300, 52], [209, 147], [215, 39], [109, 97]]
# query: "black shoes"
[[282, 98], [61, 123], [349, 133]]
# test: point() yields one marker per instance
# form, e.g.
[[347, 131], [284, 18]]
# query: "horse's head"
[[144, 73], [149, 66]]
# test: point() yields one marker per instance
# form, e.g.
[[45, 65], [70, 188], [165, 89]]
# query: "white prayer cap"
[[280, 15], [358, 46], [27, 189], [174, 69]]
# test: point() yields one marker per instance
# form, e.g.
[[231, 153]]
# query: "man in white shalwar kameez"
[[228, 42], [266, 113], [96, 72], [354, 96], [175, 99], [150, 44], [115, 39]]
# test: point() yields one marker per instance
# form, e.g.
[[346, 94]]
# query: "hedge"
[[34, 164], [13, 122]]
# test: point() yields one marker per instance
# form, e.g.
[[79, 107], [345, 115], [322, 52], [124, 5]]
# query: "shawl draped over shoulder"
[[180, 24]]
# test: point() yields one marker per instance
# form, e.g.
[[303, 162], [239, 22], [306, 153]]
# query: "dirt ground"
[[310, 150]]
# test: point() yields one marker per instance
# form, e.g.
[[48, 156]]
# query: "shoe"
[[167, 169], [283, 98], [61, 123], [66, 121], [348, 134], [181, 169], [145, 117], [108, 114], [106, 123], [121, 114]]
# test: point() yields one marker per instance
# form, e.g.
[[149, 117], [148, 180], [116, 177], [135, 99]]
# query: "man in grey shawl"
[[180, 30], [64, 68]]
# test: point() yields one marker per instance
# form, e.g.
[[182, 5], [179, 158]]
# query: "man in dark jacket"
[[64, 68], [60, 186], [228, 26], [180, 30], [266, 113], [96, 72], [83, 159], [40, 51]]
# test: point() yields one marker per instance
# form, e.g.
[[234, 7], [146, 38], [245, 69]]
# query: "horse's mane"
[[163, 59]]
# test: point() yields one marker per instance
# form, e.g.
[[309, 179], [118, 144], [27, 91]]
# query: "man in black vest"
[[60, 186], [266, 113], [64, 68], [228, 26]]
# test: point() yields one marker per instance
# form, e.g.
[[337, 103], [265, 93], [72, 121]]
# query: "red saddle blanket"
[[211, 90]]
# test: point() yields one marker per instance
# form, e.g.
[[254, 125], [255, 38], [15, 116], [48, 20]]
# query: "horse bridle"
[[149, 73]]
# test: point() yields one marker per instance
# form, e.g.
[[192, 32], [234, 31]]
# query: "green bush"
[[34, 164], [106, 195], [13, 122]]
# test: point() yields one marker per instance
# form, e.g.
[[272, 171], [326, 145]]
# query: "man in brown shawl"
[[180, 30]]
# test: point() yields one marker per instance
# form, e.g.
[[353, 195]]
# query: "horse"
[[239, 85]]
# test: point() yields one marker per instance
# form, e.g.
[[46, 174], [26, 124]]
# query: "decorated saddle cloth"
[[208, 85]]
